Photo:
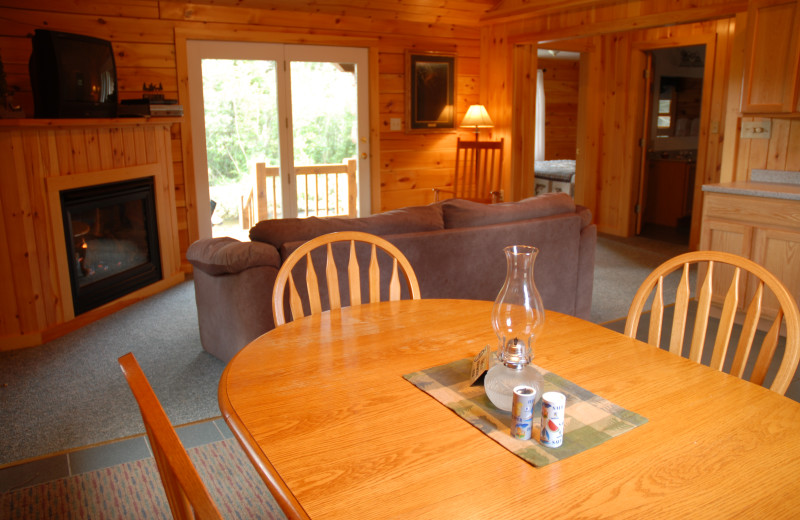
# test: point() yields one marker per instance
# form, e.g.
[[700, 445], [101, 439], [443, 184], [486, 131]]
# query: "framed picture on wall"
[[430, 92]]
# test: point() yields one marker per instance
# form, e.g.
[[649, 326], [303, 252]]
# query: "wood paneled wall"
[[143, 34], [780, 152], [612, 34], [561, 107]]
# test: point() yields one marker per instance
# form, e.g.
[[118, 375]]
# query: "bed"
[[555, 176]]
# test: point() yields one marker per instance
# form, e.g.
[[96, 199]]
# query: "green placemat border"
[[590, 419]]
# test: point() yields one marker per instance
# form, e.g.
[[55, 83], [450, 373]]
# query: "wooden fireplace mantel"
[[41, 157]]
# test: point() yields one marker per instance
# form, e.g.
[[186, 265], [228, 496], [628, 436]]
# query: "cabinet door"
[[772, 58], [667, 192], [729, 237], [779, 251]]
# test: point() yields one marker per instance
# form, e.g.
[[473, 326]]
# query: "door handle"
[[364, 155]]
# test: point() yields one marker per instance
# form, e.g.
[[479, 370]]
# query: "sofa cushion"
[[405, 220], [469, 262], [464, 213], [225, 255]]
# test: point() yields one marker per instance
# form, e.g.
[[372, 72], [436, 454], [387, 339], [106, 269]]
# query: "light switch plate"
[[395, 124], [756, 129]]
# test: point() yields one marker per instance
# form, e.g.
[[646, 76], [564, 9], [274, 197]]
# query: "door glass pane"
[[325, 136], [241, 118]]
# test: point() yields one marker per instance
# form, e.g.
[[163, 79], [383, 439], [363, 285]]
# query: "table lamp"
[[478, 118]]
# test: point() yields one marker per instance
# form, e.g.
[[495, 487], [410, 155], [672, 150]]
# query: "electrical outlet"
[[395, 124], [756, 129]]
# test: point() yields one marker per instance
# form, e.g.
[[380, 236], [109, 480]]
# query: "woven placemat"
[[590, 419]]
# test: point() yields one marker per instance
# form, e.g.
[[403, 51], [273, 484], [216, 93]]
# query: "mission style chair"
[[478, 172]]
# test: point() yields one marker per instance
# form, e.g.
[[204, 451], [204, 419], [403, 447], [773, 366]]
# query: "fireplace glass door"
[[112, 241]]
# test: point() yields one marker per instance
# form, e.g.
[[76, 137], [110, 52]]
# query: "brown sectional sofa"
[[455, 247]]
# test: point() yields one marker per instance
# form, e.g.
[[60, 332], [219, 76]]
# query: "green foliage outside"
[[242, 116], [242, 122], [324, 113]]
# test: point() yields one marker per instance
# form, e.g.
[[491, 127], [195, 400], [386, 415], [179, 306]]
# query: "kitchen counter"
[[759, 220], [772, 184]]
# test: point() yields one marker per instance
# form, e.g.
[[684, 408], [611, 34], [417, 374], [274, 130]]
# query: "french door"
[[283, 111]]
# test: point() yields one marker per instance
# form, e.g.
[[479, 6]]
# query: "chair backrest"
[[478, 173], [187, 495], [743, 297], [332, 275]]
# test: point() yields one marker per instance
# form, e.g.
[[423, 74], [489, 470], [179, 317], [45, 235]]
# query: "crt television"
[[72, 76]]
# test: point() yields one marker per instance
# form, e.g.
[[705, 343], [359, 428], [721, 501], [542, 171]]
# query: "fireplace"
[[111, 237]]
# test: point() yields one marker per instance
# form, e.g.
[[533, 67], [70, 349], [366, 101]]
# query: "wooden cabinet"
[[766, 230], [772, 60], [670, 185]]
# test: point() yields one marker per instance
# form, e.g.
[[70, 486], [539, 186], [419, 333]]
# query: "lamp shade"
[[477, 117]]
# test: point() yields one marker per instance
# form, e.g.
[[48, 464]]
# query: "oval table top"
[[322, 410]]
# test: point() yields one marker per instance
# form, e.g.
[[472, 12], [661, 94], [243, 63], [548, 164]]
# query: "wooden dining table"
[[322, 410]]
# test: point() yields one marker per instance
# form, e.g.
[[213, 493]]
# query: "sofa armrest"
[[585, 214], [225, 255]]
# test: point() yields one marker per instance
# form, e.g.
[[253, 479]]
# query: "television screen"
[[72, 76]]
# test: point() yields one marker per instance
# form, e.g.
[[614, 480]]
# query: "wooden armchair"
[[743, 271], [331, 273], [187, 495], [478, 172]]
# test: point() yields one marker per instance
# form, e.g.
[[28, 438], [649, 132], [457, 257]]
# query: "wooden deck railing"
[[322, 190]]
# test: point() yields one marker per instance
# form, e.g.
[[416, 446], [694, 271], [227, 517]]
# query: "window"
[[666, 111]]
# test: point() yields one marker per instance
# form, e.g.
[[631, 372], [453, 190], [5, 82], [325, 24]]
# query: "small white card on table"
[[480, 365]]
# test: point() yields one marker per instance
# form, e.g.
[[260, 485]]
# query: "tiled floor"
[[105, 455]]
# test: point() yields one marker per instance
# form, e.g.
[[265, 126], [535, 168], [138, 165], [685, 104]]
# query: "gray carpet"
[[621, 265], [70, 392], [793, 392]]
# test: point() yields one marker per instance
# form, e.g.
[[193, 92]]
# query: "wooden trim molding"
[[54, 187], [600, 27]]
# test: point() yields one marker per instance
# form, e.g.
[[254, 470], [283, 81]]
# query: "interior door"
[[292, 113], [643, 140]]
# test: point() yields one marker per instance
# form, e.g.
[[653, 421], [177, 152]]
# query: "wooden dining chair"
[[187, 495], [284, 278], [742, 283], [478, 172]]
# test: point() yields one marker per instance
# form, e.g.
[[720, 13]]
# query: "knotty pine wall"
[[143, 36], [611, 34], [561, 107], [142, 32], [780, 152]]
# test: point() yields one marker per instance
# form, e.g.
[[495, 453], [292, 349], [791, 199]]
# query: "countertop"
[[772, 184]]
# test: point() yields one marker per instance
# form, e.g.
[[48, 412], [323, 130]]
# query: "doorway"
[[558, 107], [280, 131], [671, 129]]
